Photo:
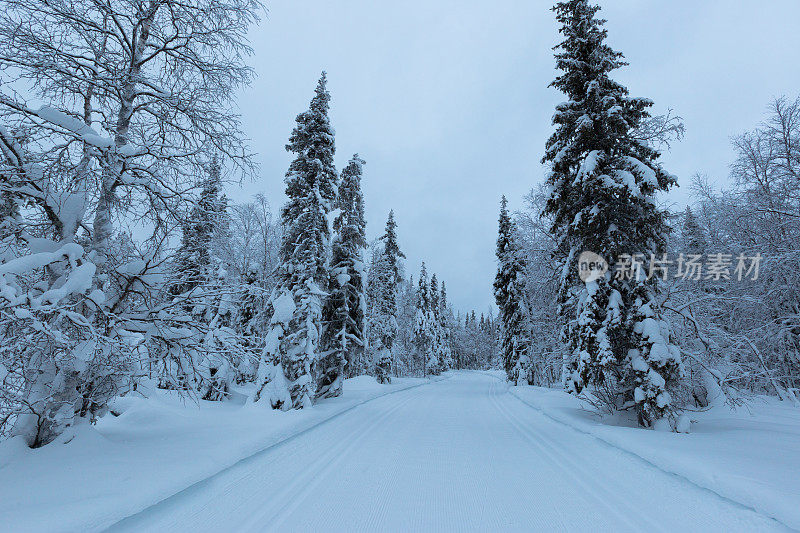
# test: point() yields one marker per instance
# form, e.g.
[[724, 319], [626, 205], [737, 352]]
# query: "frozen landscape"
[[421, 266], [382, 458]]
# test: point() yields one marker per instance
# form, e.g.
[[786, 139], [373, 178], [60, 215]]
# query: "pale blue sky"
[[447, 101]]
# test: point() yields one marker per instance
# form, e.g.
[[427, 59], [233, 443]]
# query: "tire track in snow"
[[271, 497]]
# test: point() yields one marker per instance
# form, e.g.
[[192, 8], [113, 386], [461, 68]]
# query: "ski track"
[[605, 443], [460, 454], [591, 487], [317, 472]]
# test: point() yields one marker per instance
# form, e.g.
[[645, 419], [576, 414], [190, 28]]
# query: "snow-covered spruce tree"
[[694, 239], [459, 342], [221, 349], [404, 360], [250, 324], [446, 323], [433, 295], [433, 323], [391, 249], [509, 293], [200, 286], [343, 341], [273, 388], [393, 256], [603, 184], [373, 282], [193, 257], [423, 331], [382, 324], [468, 349], [385, 280], [443, 307], [492, 343], [440, 343], [311, 183]]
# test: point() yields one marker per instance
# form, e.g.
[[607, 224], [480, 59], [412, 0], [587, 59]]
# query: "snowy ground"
[[156, 448], [459, 454], [750, 455]]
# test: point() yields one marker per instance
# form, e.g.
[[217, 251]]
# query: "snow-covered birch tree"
[[135, 95]]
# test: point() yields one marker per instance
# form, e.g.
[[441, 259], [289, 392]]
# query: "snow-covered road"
[[459, 454]]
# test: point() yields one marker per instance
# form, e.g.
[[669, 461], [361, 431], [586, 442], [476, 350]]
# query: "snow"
[[684, 424], [342, 279], [79, 281], [647, 173], [156, 447], [466, 452], [283, 308], [71, 208], [589, 165], [72, 124], [273, 339], [24, 264], [749, 455]]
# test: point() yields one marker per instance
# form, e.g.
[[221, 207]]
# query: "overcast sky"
[[448, 102]]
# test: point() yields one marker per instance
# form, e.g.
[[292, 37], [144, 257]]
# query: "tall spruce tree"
[[197, 286], [446, 321], [385, 279], [193, 257], [382, 323], [433, 295], [509, 293], [250, 324], [434, 324], [294, 340], [603, 184], [694, 239], [423, 335], [345, 309], [391, 249], [443, 299]]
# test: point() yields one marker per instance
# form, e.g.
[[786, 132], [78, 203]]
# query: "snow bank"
[[750, 456], [157, 447]]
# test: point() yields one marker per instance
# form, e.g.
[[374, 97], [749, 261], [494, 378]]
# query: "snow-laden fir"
[[603, 183]]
